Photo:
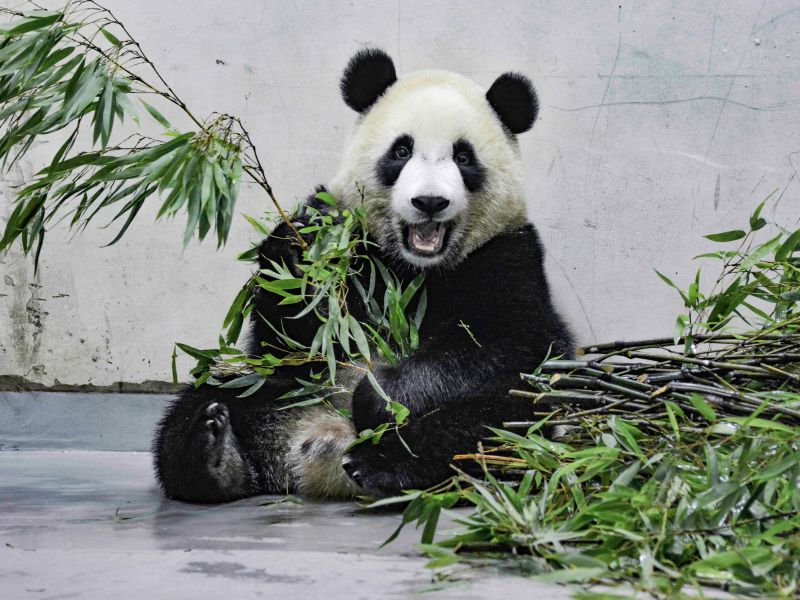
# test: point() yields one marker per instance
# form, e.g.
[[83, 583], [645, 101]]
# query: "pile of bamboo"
[[734, 375]]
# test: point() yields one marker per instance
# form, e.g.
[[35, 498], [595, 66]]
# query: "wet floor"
[[92, 524]]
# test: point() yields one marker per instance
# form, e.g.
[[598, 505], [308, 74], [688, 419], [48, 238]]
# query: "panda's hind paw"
[[216, 443]]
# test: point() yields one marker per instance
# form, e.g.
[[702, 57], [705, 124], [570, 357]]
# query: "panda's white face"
[[437, 172], [429, 197], [432, 173]]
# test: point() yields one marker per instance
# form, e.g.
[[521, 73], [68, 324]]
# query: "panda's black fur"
[[488, 318]]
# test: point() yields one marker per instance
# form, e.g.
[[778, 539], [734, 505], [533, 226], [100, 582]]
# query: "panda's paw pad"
[[213, 429], [217, 418]]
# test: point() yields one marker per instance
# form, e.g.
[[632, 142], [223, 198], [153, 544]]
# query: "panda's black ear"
[[514, 100], [368, 75]]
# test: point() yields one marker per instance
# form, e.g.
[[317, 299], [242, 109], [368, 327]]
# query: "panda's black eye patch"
[[395, 158], [472, 172]]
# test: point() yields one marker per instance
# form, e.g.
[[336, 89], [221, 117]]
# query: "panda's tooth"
[[439, 237], [426, 237]]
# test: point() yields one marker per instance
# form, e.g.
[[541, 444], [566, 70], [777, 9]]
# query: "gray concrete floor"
[[92, 524]]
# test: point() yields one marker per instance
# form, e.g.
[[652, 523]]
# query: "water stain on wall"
[[27, 316]]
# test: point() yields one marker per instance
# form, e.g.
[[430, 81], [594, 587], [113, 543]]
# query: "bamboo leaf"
[[703, 407], [789, 246], [31, 22], [110, 37], [726, 236], [160, 119]]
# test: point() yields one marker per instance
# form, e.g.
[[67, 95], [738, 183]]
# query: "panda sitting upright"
[[436, 163]]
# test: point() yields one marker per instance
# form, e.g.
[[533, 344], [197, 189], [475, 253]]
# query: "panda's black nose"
[[430, 205]]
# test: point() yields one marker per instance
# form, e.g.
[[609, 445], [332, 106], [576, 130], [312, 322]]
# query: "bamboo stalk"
[[492, 457], [714, 364], [668, 341], [561, 396]]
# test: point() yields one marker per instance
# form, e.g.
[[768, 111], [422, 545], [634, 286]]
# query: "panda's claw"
[[348, 465], [354, 468]]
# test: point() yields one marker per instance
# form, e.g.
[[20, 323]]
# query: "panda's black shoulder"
[[519, 250], [526, 236]]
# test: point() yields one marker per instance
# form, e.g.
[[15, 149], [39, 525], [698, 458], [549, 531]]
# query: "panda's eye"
[[463, 159], [402, 152]]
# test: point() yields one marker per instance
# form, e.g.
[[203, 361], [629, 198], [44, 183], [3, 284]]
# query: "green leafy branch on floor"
[[670, 465], [65, 72]]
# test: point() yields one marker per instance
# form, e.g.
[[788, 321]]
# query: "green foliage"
[[334, 259], [719, 509], [673, 470], [758, 283], [390, 324], [65, 72]]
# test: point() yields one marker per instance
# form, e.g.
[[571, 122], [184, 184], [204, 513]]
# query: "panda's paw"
[[216, 443], [375, 470], [283, 247]]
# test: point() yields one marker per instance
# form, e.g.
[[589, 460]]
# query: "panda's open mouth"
[[427, 238]]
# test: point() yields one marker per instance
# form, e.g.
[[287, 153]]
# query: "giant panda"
[[435, 161]]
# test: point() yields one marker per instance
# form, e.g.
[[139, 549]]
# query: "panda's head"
[[434, 158]]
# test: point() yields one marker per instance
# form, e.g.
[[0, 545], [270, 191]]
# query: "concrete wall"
[[660, 121]]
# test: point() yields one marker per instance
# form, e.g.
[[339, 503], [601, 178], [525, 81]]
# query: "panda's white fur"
[[317, 441], [436, 108]]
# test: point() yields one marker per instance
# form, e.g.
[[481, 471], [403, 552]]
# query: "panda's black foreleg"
[[446, 367], [434, 438]]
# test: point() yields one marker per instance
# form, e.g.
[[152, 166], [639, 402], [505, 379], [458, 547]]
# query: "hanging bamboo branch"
[[80, 67]]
